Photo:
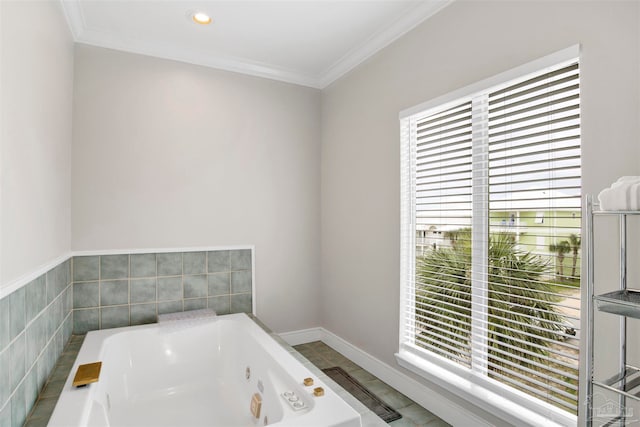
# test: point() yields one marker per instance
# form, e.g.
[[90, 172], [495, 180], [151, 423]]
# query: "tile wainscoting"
[[110, 291], [85, 293], [35, 323]]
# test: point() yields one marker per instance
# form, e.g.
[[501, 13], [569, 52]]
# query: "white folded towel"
[[623, 195]]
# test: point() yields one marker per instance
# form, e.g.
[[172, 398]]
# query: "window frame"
[[484, 392]]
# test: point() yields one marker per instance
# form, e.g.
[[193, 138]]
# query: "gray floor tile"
[[305, 350], [67, 360], [319, 361], [377, 387], [52, 389], [322, 348], [395, 399], [403, 422], [72, 347], [47, 399], [349, 366], [417, 414], [44, 408], [413, 414], [362, 375], [37, 422], [437, 423], [59, 373]]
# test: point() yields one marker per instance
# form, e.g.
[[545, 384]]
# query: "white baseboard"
[[429, 399], [303, 336]]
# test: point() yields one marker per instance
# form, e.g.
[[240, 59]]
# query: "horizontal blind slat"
[[532, 189]]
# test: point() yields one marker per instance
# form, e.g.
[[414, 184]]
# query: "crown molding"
[[402, 25], [196, 57], [75, 18], [382, 39]]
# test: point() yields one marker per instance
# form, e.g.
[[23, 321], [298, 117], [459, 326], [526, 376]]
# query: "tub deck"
[[193, 374], [47, 398]]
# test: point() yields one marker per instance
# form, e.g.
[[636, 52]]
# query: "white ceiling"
[[306, 42]]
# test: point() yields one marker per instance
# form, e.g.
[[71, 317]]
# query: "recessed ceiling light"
[[201, 18]]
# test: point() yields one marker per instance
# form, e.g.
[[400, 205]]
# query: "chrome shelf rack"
[[624, 303]]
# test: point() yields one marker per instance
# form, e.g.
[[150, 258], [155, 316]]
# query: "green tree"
[[521, 315], [574, 242], [560, 249], [457, 236]]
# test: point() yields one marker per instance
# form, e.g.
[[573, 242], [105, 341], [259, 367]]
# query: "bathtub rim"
[[75, 404]]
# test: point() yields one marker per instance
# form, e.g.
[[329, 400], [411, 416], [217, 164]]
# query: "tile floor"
[[413, 415]]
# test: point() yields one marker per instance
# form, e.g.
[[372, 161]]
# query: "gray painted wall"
[[172, 155], [464, 43], [167, 154], [36, 83]]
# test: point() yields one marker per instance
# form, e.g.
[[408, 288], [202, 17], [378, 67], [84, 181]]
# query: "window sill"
[[469, 387]]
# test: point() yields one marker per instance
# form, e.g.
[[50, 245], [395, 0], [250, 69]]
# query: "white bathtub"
[[194, 373]]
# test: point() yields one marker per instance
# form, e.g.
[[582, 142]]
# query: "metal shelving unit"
[[624, 303]]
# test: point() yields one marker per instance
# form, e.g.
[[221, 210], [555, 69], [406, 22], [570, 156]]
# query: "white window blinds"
[[534, 166], [443, 207], [491, 282]]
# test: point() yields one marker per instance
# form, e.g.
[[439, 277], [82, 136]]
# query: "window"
[[495, 301]]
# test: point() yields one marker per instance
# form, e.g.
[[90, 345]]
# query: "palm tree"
[[523, 326], [454, 235], [522, 318], [574, 242], [561, 248]]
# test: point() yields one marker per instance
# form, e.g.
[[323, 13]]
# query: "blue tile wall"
[[120, 290], [35, 323]]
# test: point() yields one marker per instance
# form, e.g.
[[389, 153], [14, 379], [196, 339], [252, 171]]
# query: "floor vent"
[[360, 392]]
